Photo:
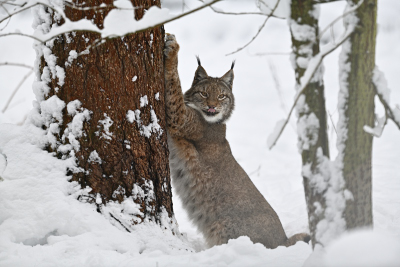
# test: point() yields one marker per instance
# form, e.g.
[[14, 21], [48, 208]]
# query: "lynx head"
[[212, 97]]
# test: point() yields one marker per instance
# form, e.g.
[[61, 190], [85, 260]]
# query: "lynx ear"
[[200, 73], [228, 77]]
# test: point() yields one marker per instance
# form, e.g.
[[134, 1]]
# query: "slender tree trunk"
[[357, 111], [114, 120], [312, 125]]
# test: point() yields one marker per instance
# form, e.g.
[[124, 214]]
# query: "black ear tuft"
[[200, 74], [198, 60], [233, 64]]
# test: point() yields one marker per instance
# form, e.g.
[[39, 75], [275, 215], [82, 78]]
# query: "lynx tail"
[[298, 237]]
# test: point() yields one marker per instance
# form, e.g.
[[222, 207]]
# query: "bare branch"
[[388, 110], [5, 9], [25, 35], [259, 30], [23, 8], [16, 90], [26, 7], [278, 88], [272, 54], [325, 1], [330, 116], [11, 3], [100, 31], [15, 64], [318, 60], [244, 13], [378, 129], [330, 25]]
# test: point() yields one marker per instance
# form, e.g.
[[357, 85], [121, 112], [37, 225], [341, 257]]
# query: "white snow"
[[104, 127], [143, 101], [134, 78], [94, 157], [363, 248], [42, 223], [382, 88], [72, 56], [145, 130]]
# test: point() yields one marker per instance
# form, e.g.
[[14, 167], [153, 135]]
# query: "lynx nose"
[[211, 109]]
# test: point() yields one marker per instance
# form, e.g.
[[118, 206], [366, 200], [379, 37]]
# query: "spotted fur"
[[216, 192]]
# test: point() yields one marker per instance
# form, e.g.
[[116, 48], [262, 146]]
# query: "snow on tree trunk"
[[311, 126], [105, 108], [356, 109]]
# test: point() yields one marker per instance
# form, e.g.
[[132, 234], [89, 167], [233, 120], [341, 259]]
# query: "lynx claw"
[[171, 46]]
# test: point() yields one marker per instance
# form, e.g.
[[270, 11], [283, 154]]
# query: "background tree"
[[339, 193], [357, 107], [312, 124]]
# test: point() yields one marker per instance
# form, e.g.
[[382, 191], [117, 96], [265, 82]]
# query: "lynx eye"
[[221, 97], [203, 94]]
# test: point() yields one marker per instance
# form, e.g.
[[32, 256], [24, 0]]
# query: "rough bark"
[[357, 158], [303, 14], [104, 82]]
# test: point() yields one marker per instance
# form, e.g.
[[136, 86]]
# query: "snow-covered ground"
[[41, 224]]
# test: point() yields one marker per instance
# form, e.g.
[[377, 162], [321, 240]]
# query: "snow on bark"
[[66, 123], [383, 92], [145, 130], [336, 195], [105, 124]]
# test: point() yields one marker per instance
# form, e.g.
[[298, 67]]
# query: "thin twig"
[[388, 109], [330, 116], [259, 30], [244, 13], [25, 35], [272, 54], [272, 11], [15, 64], [99, 31], [5, 9], [126, 228], [11, 4], [318, 57], [325, 1], [16, 90], [338, 18], [275, 78]]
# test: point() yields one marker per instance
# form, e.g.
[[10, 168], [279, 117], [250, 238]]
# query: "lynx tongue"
[[211, 110]]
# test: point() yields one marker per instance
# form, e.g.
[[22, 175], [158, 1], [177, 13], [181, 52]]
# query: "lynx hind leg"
[[171, 46], [298, 237], [217, 234]]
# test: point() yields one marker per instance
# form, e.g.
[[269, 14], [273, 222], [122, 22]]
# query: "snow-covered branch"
[[119, 22], [383, 93], [308, 75]]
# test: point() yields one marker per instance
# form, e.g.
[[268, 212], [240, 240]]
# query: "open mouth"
[[210, 112]]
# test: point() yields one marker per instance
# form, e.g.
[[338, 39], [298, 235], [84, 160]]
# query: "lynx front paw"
[[171, 47]]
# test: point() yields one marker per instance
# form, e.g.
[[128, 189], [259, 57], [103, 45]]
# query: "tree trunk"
[[312, 126], [358, 110], [121, 152]]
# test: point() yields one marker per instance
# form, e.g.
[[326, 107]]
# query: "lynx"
[[216, 192]]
